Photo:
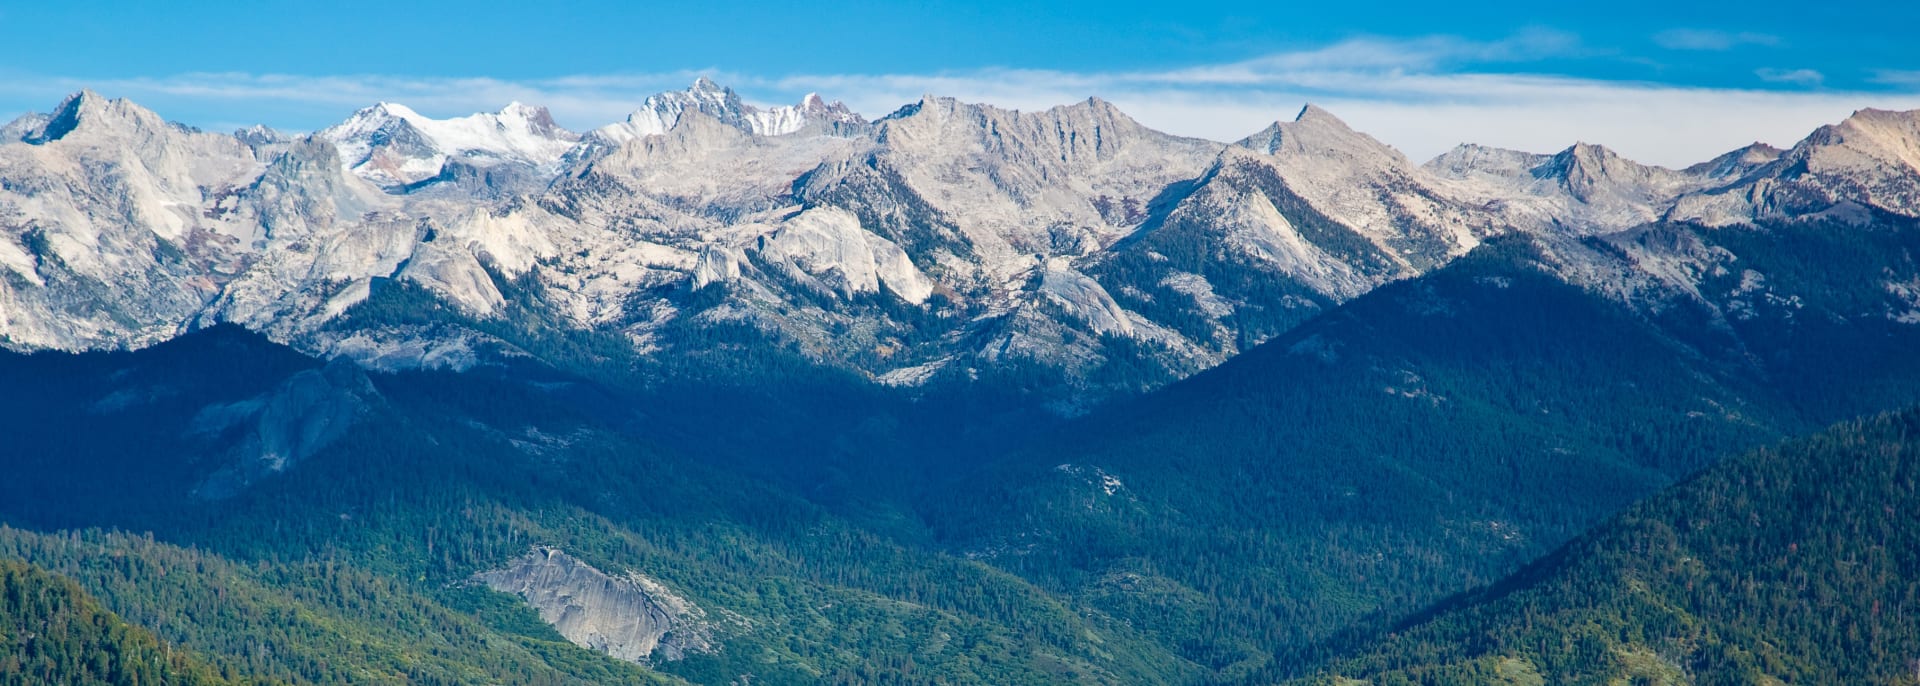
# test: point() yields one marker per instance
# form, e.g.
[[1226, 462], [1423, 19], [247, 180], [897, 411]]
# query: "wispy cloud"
[[1801, 77], [1422, 95], [1897, 78], [1712, 40]]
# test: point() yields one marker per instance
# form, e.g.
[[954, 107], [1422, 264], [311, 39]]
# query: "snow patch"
[[392, 145]]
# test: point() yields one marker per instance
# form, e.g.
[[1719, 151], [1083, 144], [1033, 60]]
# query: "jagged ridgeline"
[[726, 394], [1070, 250]]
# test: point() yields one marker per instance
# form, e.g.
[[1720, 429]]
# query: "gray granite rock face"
[[630, 617]]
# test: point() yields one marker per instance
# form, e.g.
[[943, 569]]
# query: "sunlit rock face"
[[630, 617]]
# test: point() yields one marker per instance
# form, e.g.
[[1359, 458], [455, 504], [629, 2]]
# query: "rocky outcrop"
[[276, 430], [630, 617]]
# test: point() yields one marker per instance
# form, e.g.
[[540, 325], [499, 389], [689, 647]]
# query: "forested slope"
[[52, 632], [1791, 565]]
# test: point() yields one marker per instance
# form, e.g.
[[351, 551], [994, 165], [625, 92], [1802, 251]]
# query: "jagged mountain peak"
[[391, 109], [395, 146], [1873, 116], [1889, 135], [1583, 158], [514, 115], [1098, 107], [78, 105], [930, 103], [1079, 132], [1737, 162], [1315, 132], [1581, 161], [1312, 112], [262, 132], [1588, 150], [1470, 160], [659, 113], [17, 130], [1091, 112], [698, 130], [1315, 168], [309, 185], [1584, 188], [87, 109], [534, 118], [1869, 160], [815, 108]]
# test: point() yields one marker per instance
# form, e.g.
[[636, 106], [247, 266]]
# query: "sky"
[[1669, 82]]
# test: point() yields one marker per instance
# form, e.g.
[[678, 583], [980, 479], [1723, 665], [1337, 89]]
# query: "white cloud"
[[1412, 94], [1802, 77], [1897, 78], [1712, 40]]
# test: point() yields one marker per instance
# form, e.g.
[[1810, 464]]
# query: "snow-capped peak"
[[392, 145], [661, 112], [708, 86]]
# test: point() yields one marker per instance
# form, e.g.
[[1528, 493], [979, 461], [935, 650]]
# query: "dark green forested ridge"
[[52, 632], [349, 567], [1375, 460], [1436, 434], [1792, 565], [1426, 438]]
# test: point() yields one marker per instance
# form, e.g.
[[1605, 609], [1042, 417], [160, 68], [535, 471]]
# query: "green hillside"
[[1433, 436], [1789, 565], [52, 632], [351, 566]]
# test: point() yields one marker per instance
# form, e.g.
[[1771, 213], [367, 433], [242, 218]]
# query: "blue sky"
[[1668, 82]]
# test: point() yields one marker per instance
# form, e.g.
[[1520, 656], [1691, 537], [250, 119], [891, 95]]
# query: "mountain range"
[[1072, 240], [726, 394]]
